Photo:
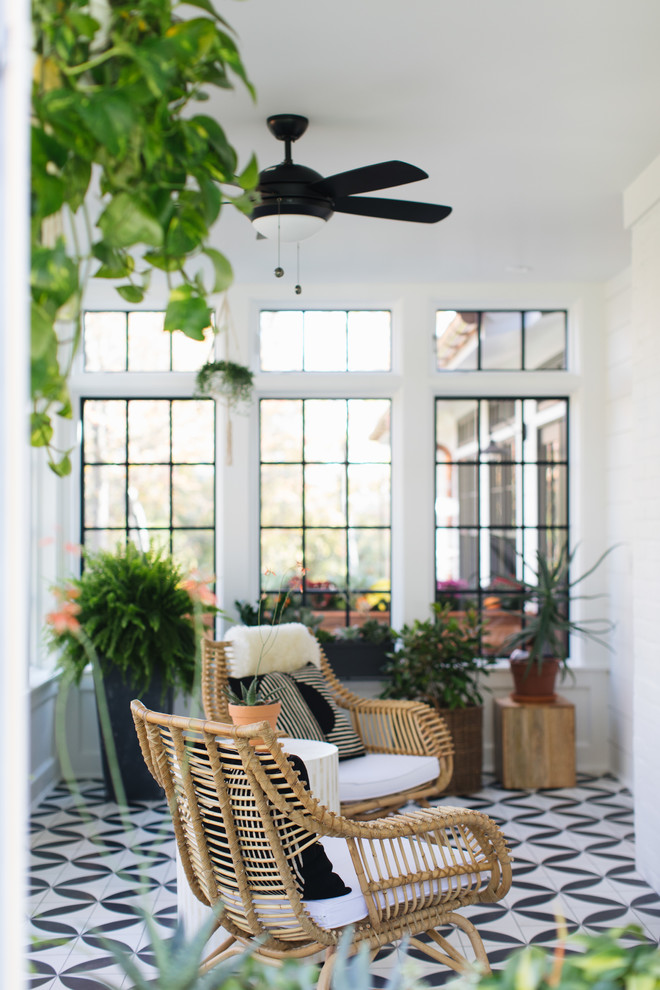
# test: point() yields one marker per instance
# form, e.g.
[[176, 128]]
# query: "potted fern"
[[136, 618]]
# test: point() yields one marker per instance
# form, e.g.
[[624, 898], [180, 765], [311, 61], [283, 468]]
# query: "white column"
[[642, 216], [14, 485]]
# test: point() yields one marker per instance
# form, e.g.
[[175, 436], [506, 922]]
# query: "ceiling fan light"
[[292, 226]]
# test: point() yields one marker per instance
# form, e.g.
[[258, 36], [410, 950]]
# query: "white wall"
[[642, 214]]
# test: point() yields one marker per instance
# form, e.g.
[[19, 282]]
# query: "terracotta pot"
[[533, 685], [249, 714]]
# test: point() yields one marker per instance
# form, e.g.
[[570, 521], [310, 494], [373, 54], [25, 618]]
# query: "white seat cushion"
[[378, 774], [350, 908], [334, 912]]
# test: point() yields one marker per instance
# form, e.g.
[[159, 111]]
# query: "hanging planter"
[[229, 382]]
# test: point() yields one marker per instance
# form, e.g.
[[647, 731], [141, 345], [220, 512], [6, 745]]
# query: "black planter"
[[353, 658], [138, 783]]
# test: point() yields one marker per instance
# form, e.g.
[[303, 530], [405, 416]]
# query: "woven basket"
[[466, 727]]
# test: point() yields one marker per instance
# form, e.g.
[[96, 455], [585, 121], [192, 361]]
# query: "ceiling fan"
[[296, 200]]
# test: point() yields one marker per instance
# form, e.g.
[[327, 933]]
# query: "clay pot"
[[249, 714], [534, 685]]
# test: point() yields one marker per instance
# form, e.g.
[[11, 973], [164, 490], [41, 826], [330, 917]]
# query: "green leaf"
[[131, 293], [110, 117], [209, 198], [42, 331], [214, 137], [163, 261], [46, 148], [208, 7], [76, 175], [53, 274], [61, 467], [41, 429], [245, 202], [48, 193], [127, 221], [187, 312], [186, 232], [115, 263], [224, 275], [250, 175], [84, 24]]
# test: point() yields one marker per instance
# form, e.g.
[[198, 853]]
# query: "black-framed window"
[[148, 475], [325, 502], [501, 340], [501, 494]]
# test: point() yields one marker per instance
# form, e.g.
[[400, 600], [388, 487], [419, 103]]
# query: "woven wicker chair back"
[[235, 843]]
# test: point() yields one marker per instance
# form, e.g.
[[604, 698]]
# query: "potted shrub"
[[135, 617], [540, 648], [439, 661]]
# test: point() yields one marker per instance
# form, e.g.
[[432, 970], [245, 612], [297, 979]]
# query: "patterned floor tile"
[[90, 874]]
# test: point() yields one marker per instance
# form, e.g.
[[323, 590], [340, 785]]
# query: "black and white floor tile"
[[91, 874]]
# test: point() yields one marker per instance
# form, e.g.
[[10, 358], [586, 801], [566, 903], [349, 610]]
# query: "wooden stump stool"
[[535, 744]]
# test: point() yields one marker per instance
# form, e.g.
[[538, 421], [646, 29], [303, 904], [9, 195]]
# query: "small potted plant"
[[440, 661], [136, 617], [540, 648], [251, 702]]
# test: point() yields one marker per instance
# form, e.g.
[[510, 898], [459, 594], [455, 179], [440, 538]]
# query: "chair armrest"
[[435, 855]]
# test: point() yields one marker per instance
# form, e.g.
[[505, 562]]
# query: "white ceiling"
[[530, 116]]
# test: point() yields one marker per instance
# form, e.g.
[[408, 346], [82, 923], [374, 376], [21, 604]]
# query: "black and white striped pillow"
[[343, 735]]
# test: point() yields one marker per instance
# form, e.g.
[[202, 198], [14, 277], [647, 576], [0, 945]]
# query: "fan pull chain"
[[298, 285], [279, 271]]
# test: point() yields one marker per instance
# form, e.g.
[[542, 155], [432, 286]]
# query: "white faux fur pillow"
[[283, 647]]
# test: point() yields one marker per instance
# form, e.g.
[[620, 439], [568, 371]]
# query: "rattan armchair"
[[392, 727], [243, 819]]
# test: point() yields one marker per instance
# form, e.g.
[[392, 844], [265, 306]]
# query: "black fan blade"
[[392, 209], [369, 177]]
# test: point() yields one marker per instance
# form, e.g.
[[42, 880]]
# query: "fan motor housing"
[[286, 188]]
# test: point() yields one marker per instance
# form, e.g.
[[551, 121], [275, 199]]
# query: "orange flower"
[[65, 620], [67, 594], [199, 591]]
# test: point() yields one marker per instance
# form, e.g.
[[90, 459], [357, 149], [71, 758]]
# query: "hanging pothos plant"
[[126, 176]]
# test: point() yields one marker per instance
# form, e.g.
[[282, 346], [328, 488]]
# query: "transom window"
[[325, 340], [325, 482], [500, 340], [135, 341], [501, 494]]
